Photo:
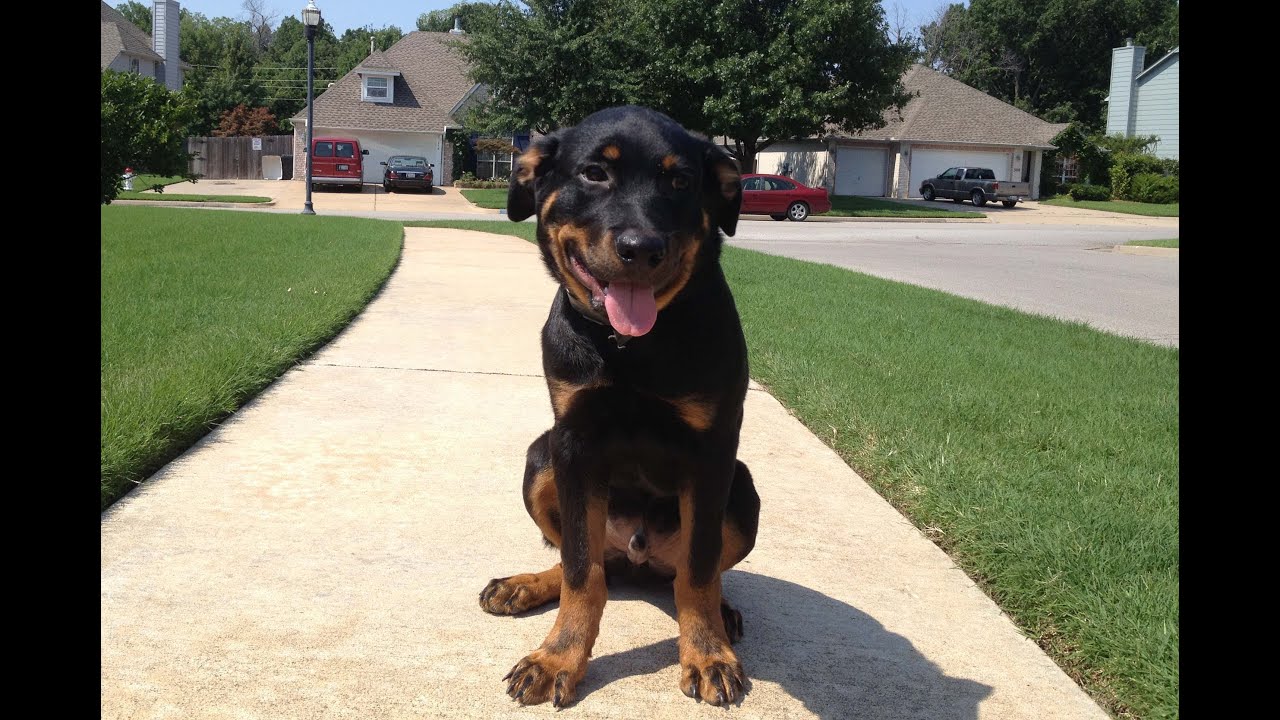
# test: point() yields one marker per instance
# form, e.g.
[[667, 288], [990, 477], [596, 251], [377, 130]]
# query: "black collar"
[[594, 317]]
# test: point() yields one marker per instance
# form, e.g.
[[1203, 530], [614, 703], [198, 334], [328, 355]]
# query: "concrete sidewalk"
[[321, 553]]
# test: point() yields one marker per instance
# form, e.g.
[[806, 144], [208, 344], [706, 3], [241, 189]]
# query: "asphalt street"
[[1062, 271]]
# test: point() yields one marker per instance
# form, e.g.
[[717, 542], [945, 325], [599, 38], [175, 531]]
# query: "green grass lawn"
[[200, 311], [1119, 206], [1041, 455], [493, 199], [526, 230], [146, 182], [1155, 243], [143, 183], [851, 206]]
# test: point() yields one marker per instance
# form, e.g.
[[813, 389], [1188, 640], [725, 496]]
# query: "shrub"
[[1124, 166], [1154, 188], [144, 127], [469, 180], [1083, 191]]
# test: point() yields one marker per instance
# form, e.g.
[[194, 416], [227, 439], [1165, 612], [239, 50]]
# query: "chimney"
[[164, 40], [1122, 106], [457, 27]]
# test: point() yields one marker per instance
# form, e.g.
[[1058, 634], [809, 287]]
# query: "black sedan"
[[407, 171]]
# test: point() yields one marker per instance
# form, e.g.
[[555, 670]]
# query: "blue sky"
[[346, 14]]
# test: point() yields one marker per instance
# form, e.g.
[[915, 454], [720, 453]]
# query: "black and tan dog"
[[647, 369]]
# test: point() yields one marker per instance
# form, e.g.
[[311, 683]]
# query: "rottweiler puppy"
[[646, 366]]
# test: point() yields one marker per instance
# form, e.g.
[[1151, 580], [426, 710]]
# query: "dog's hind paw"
[[516, 594]]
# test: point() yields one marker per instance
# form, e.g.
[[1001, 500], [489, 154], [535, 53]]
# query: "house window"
[[493, 158], [133, 65], [1066, 171], [377, 89], [490, 165]]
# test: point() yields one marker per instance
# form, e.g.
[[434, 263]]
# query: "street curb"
[[192, 203], [824, 218], [1146, 250]]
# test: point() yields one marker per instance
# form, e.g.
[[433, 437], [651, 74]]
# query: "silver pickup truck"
[[977, 185]]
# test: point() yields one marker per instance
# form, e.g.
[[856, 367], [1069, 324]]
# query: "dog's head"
[[628, 205]]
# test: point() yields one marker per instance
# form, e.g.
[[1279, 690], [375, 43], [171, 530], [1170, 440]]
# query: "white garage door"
[[860, 171], [931, 163], [382, 145]]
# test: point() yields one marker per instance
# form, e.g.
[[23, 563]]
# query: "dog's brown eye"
[[595, 173], [680, 182]]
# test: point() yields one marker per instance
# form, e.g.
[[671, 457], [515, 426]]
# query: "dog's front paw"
[[514, 595], [714, 677], [543, 676]]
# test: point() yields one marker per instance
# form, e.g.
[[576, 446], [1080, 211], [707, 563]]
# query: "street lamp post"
[[310, 18]]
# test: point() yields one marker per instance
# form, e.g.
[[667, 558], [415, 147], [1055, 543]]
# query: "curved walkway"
[[320, 554]]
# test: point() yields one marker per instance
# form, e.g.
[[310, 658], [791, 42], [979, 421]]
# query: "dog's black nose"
[[635, 247]]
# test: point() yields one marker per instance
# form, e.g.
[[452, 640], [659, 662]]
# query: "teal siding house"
[[1144, 101]]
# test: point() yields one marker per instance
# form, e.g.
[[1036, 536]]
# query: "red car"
[[781, 197]]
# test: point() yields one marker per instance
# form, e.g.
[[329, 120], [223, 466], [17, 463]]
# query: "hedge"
[[1083, 191], [1154, 188]]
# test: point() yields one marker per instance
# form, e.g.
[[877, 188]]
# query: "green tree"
[[283, 69], [136, 13], [144, 127], [757, 71], [353, 47], [1049, 57], [223, 54], [472, 14]]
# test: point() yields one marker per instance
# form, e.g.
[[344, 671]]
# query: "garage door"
[[382, 144], [931, 163], [860, 171]]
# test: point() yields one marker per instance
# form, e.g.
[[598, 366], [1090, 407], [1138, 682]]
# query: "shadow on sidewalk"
[[831, 656]]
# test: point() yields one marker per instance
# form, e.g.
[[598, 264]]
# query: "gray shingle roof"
[[121, 36], [948, 111], [433, 78], [377, 60]]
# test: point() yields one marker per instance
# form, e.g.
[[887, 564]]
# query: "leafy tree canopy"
[[1051, 58], [136, 13], [471, 14], [756, 71]]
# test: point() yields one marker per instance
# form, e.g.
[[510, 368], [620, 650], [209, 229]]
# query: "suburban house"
[[1144, 102], [945, 124], [401, 102], [127, 49]]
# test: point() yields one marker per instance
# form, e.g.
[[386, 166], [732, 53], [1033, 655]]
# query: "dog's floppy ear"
[[722, 188], [530, 165]]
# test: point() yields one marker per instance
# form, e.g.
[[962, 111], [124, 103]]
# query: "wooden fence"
[[233, 158]]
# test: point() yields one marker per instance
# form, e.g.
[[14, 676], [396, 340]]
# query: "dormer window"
[[377, 88]]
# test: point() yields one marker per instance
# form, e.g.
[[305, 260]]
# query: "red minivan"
[[337, 161]]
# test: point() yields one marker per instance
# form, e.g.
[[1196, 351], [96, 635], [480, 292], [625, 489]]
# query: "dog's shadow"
[[834, 658]]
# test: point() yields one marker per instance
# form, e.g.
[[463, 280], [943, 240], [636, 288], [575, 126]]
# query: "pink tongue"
[[632, 310]]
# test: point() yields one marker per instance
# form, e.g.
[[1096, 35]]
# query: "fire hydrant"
[[128, 178]]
